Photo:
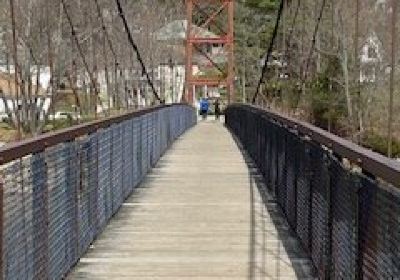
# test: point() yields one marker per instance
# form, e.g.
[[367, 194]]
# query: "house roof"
[[372, 39], [7, 85], [176, 30]]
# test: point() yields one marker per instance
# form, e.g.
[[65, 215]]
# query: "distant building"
[[375, 48], [371, 58], [172, 76], [174, 33], [10, 95], [381, 4], [44, 75]]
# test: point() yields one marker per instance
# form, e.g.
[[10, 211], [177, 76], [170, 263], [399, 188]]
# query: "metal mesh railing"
[[54, 202], [346, 218]]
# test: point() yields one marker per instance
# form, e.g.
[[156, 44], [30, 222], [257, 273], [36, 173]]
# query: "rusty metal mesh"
[[57, 201], [346, 220]]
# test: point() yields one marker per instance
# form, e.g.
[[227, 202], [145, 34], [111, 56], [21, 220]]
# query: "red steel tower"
[[210, 23]]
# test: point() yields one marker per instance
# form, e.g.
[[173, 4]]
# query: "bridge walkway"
[[198, 215]]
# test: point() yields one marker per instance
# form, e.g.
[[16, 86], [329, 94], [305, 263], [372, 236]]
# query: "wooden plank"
[[198, 215]]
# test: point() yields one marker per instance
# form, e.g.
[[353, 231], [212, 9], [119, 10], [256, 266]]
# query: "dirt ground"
[[7, 134]]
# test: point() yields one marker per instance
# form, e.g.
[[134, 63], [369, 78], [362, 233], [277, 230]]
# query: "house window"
[[372, 52]]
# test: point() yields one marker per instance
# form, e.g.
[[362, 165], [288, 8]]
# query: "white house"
[[381, 4], [8, 98], [371, 57], [44, 77]]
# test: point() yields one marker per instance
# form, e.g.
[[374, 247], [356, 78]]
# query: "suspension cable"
[[316, 29], [109, 41], [288, 43], [269, 52], [103, 26], [136, 50], [82, 55]]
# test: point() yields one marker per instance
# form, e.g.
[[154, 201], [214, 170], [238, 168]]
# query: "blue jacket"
[[204, 105]]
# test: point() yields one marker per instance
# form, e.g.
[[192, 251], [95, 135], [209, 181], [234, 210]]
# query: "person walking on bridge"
[[217, 107], [204, 106]]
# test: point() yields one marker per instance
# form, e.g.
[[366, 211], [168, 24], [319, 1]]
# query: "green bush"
[[54, 125], [328, 102], [379, 144], [327, 105], [292, 94]]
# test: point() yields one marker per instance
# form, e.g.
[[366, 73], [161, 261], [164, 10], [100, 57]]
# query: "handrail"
[[59, 190], [376, 164], [36, 144]]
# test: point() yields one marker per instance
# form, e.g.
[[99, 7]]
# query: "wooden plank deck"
[[198, 215]]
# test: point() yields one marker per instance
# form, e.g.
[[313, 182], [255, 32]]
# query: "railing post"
[[327, 178], [75, 171], [109, 209], [358, 269], [44, 204], [308, 177], [1, 226], [96, 191]]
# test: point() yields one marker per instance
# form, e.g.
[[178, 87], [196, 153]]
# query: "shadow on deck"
[[202, 213]]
